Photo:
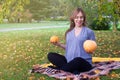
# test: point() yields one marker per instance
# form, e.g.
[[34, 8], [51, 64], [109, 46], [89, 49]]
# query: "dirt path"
[[30, 28]]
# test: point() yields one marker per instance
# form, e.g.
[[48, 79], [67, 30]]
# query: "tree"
[[91, 9], [12, 9], [1, 15], [47, 9], [89, 6], [111, 9], [40, 9]]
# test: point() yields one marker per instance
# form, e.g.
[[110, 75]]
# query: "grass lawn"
[[19, 50]]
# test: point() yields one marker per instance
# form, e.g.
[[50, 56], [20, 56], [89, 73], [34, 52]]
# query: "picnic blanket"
[[100, 68]]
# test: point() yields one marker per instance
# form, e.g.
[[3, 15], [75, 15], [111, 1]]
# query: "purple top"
[[74, 45]]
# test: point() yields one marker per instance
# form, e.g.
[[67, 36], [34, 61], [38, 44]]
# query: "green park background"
[[27, 25]]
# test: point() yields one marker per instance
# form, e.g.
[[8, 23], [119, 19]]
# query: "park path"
[[28, 28]]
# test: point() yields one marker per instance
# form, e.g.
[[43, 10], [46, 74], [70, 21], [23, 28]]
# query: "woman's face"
[[79, 20]]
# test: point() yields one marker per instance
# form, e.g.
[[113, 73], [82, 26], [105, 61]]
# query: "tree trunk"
[[114, 26]]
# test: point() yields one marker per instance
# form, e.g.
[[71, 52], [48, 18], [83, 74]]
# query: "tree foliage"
[[12, 9], [100, 24], [17, 10], [110, 9], [44, 9]]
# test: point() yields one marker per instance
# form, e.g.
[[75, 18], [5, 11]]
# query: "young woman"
[[76, 59]]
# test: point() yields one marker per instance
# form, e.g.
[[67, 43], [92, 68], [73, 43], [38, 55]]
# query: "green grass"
[[19, 50]]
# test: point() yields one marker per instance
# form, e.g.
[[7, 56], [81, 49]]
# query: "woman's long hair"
[[73, 16]]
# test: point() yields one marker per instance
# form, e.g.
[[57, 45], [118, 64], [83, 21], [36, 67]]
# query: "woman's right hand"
[[56, 43]]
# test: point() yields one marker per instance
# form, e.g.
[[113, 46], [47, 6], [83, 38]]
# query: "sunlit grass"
[[19, 50]]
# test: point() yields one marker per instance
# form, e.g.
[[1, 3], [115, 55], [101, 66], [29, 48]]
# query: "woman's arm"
[[60, 45], [92, 35]]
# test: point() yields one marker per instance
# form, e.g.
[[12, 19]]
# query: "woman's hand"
[[56, 43]]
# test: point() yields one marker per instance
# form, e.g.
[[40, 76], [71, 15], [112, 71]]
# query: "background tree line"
[[37, 10]]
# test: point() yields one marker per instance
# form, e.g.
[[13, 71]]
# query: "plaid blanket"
[[100, 68]]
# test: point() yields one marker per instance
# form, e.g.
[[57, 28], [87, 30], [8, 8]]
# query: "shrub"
[[100, 24]]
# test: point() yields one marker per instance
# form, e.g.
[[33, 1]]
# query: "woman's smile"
[[79, 19]]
